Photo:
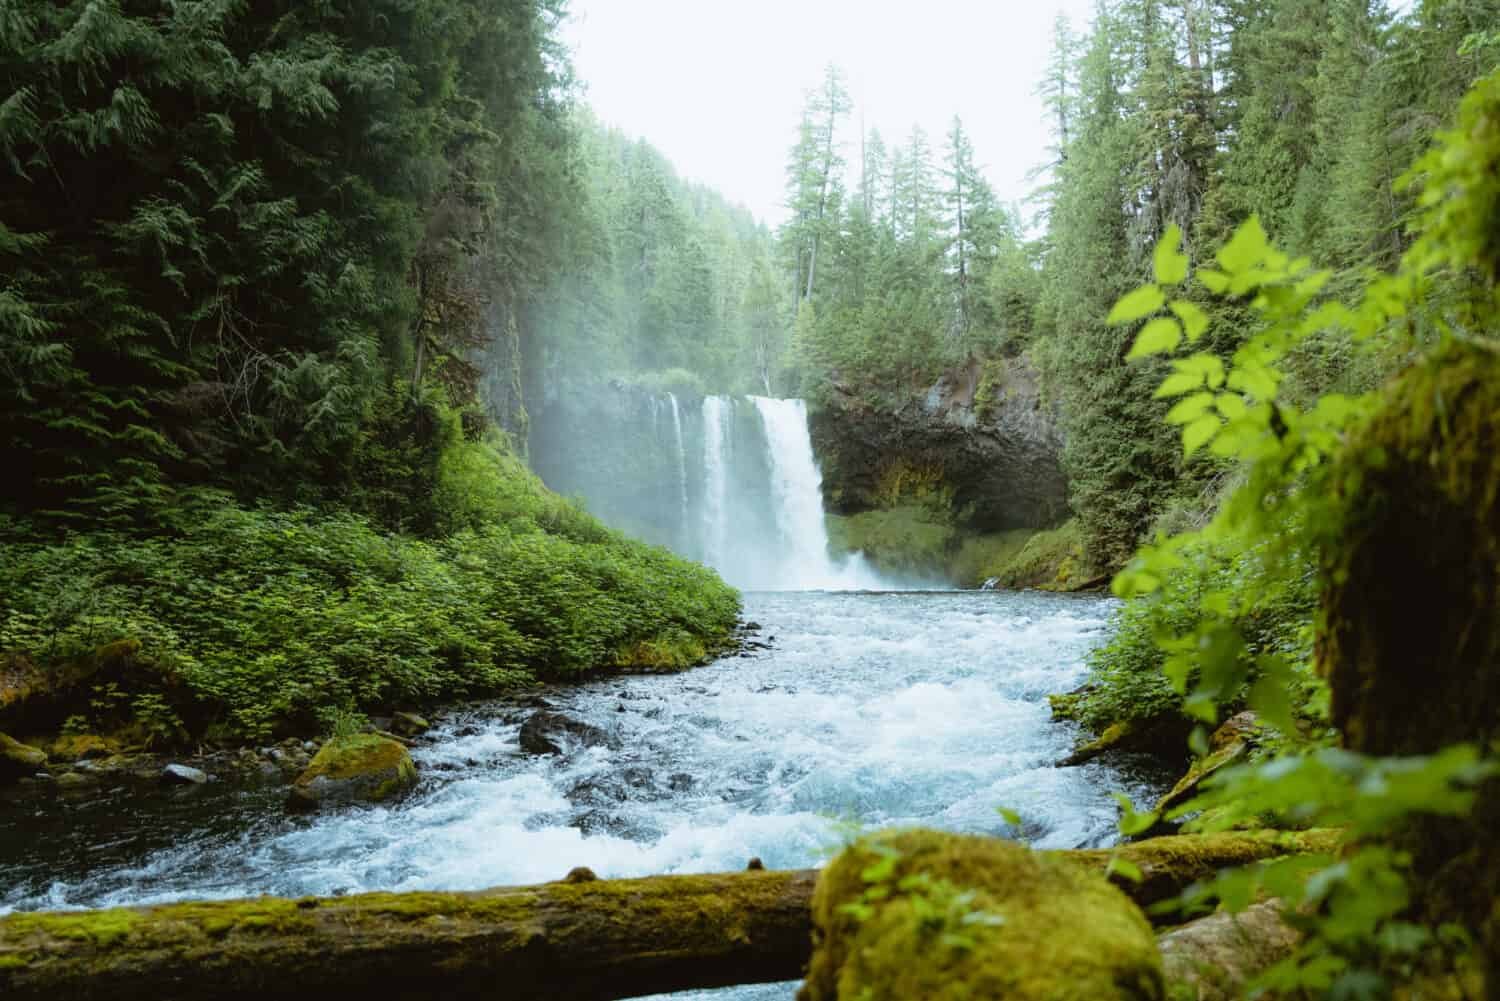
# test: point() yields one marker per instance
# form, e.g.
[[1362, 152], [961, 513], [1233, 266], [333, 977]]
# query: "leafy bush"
[[1135, 676], [262, 621]]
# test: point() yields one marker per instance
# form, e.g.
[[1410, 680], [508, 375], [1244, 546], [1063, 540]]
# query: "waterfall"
[[717, 425], [732, 482], [797, 492], [682, 485]]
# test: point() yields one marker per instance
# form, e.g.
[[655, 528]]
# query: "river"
[[870, 709]]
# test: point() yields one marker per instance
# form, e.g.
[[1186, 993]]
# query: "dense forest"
[[271, 272], [284, 285]]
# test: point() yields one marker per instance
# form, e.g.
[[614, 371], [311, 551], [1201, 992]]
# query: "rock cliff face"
[[980, 440]]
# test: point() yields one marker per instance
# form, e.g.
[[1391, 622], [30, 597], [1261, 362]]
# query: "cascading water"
[[729, 481], [682, 483], [716, 443], [797, 493]]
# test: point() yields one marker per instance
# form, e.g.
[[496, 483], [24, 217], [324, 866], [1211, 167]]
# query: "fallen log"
[[584, 939]]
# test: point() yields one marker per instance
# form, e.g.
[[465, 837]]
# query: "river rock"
[[549, 732], [183, 775], [18, 760], [361, 768], [1213, 958], [924, 914], [409, 724]]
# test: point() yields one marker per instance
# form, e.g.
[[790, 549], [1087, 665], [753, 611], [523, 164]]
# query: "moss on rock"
[[923, 914], [18, 760], [362, 768]]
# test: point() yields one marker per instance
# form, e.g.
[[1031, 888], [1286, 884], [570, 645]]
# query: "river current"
[[870, 709]]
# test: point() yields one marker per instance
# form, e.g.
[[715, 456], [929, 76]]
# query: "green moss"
[[101, 928], [911, 540], [982, 557], [364, 766], [671, 650], [923, 914]]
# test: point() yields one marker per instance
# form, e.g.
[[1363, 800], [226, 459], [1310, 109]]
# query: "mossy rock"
[[923, 914], [82, 747], [18, 760], [362, 768]]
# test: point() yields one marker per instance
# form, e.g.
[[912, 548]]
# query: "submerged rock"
[[548, 732], [18, 760], [943, 917], [362, 768]]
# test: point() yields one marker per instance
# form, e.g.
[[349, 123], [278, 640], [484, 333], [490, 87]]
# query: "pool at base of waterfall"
[[870, 709]]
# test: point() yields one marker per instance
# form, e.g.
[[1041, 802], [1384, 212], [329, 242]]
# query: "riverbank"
[[244, 627]]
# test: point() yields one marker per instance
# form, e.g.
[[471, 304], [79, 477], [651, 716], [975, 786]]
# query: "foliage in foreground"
[[1360, 932], [258, 621]]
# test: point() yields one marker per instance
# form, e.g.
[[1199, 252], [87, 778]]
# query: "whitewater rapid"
[[869, 710]]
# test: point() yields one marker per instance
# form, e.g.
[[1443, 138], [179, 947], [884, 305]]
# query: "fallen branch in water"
[[583, 939]]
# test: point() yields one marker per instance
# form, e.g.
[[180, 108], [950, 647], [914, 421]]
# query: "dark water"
[[871, 709]]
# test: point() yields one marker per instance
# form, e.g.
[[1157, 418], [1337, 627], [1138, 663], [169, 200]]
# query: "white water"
[[682, 483], [877, 709], [797, 492], [717, 440]]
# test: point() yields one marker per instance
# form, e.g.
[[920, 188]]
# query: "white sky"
[[718, 85]]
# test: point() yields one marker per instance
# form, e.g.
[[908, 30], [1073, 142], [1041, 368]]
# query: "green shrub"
[[1128, 681], [913, 539], [258, 621]]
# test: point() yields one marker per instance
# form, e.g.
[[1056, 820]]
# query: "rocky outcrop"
[[981, 434], [363, 768]]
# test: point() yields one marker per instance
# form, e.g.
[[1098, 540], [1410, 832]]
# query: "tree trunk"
[[587, 940]]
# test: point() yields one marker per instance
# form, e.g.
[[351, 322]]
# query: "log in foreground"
[[591, 940]]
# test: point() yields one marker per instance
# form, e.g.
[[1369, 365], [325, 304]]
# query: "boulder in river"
[[548, 732], [183, 775], [924, 914], [409, 724], [18, 760], [362, 768]]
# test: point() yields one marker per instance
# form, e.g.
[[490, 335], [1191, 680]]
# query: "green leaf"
[[1231, 405], [1215, 281], [1171, 266], [1124, 868], [1156, 337], [1199, 433], [1194, 319], [1177, 384], [1010, 816], [1246, 249], [1136, 305], [1190, 409]]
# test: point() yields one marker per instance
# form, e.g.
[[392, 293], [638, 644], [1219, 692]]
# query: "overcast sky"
[[718, 85]]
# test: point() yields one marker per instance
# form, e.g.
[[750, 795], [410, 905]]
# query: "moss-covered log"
[[589, 939], [585, 939]]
